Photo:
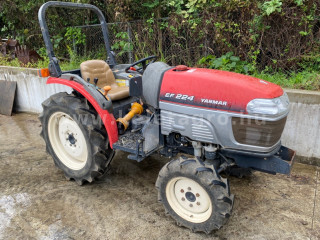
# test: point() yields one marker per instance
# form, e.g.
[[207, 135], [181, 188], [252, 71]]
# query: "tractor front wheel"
[[194, 195], [75, 137]]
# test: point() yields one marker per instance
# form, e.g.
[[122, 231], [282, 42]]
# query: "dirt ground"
[[37, 202]]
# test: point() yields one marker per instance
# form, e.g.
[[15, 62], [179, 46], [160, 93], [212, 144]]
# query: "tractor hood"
[[214, 89]]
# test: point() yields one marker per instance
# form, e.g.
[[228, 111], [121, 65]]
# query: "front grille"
[[257, 132]]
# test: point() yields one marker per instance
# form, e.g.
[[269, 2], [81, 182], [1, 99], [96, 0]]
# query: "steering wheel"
[[143, 62]]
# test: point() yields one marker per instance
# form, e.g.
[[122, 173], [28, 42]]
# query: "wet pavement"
[[37, 202]]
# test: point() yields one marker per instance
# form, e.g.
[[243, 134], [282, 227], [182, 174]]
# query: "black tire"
[[217, 190], [99, 154]]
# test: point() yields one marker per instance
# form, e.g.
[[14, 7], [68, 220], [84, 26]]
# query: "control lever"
[[106, 90]]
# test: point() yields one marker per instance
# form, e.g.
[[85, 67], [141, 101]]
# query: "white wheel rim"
[[188, 199], [67, 140]]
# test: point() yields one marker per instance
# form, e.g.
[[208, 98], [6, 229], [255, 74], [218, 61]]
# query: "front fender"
[[107, 118]]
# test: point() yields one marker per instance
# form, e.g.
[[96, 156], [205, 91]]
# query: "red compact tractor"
[[215, 121]]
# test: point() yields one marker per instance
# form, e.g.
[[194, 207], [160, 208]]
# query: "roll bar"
[[54, 67]]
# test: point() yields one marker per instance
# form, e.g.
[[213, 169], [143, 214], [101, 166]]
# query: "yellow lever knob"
[[106, 90]]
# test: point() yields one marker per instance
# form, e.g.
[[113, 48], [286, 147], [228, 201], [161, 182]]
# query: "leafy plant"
[[56, 40], [299, 2], [123, 45], [227, 62], [75, 35], [152, 5], [271, 6]]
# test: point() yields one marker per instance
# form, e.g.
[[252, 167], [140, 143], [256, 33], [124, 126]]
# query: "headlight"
[[273, 106]]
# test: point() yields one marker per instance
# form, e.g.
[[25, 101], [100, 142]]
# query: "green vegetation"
[[16, 63], [308, 79], [276, 40], [305, 79], [302, 80], [65, 65], [227, 62]]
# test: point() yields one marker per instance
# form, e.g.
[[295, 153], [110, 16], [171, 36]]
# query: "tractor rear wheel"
[[75, 137], [194, 195]]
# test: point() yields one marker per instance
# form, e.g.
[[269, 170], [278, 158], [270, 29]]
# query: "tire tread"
[[208, 177], [97, 134]]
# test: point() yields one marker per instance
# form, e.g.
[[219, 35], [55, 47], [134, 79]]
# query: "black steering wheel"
[[143, 61]]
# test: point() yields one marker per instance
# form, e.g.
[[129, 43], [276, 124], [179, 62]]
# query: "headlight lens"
[[273, 106]]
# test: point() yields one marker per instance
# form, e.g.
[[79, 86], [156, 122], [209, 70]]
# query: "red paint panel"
[[215, 89], [107, 118]]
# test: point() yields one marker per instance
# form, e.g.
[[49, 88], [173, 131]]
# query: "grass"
[[16, 63], [307, 79], [64, 65]]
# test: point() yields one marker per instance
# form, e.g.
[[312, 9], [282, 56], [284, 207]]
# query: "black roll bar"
[[54, 67]]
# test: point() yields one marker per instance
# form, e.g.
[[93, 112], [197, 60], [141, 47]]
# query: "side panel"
[[221, 121], [198, 129], [107, 118], [150, 132]]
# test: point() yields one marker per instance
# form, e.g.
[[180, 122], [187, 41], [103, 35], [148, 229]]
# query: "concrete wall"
[[302, 131], [31, 89]]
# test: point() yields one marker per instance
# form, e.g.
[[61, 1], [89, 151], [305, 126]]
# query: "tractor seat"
[[100, 69]]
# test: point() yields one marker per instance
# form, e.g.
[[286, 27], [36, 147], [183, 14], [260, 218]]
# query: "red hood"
[[215, 89]]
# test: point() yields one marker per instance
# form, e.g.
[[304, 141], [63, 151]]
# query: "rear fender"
[[101, 108]]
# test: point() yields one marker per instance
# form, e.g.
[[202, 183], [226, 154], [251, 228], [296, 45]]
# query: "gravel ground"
[[37, 202]]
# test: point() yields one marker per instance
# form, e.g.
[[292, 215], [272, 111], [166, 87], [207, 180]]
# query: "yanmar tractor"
[[215, 122]]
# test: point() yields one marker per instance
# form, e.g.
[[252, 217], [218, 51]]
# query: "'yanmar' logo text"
[[214, 102]]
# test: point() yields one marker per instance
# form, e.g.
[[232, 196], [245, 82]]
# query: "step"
[[128, 142]]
